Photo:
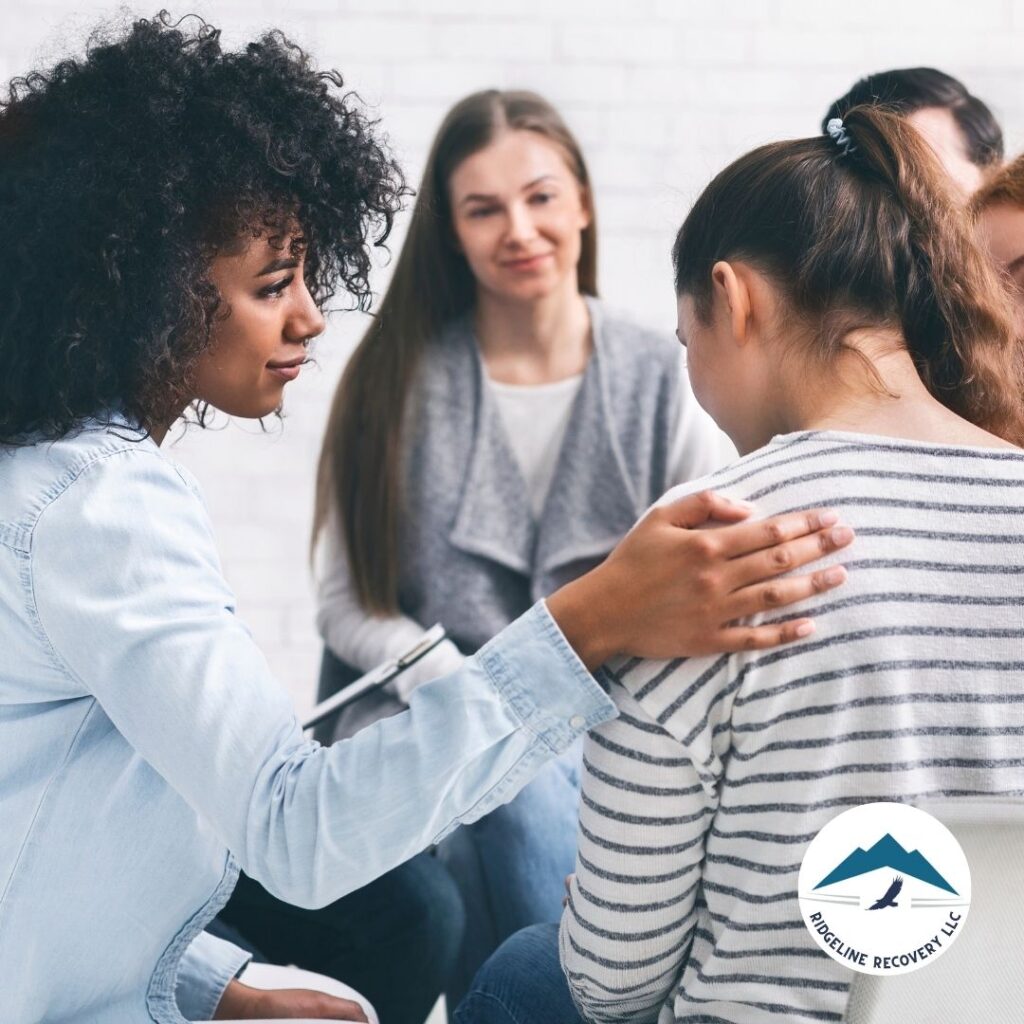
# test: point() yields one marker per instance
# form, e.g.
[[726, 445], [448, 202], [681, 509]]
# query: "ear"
[[730, 289]]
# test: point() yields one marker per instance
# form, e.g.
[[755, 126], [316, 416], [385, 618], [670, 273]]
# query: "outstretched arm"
[[181, 679], [153, 637]]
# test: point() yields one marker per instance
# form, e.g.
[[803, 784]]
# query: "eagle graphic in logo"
[[889, 899]]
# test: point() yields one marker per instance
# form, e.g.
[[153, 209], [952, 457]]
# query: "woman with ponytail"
[[847, 334]]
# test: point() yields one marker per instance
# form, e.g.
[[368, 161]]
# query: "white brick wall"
[[662, 94]]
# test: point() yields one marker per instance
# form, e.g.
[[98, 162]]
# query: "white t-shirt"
[[535, 417]]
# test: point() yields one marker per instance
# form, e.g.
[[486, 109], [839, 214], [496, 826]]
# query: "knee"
[[522, 983], [481, 1008], [532, 948]]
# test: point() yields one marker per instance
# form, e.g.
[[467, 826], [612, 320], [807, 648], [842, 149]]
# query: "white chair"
[[271, 976], [980, 978]]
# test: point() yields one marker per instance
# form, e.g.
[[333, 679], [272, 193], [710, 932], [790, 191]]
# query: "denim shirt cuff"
[[207, 967], [543, 681]]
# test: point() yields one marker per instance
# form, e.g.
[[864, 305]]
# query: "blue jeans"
[[522, 983], [510, 866]]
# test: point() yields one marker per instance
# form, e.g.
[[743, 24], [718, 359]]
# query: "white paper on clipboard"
[[375, 678]]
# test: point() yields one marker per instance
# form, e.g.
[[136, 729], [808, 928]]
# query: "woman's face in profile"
[[259, 346], [710, 362], [733, 352], [517, 212]]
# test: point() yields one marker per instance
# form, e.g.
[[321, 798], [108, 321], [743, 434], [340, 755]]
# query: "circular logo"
[[884, 888]]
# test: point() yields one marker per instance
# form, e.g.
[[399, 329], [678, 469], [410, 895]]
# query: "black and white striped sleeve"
[[644, 811]]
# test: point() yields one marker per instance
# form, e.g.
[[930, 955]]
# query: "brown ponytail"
[[868, 235], [359, 469]]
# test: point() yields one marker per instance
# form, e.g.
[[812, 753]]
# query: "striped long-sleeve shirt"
[[699, 801]]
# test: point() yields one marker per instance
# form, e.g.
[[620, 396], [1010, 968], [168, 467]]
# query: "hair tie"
[[840, 136]]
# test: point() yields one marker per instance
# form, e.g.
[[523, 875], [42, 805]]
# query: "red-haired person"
[[998, 212]]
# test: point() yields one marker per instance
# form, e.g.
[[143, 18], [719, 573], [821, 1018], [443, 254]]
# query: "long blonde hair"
[[359, 468]]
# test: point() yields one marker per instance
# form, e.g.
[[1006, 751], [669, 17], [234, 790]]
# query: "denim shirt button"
[[577, 721]]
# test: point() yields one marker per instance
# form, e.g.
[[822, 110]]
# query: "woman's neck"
[[533, 342], [872, 389]]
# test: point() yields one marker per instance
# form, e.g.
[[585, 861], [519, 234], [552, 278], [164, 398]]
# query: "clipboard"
[[375, 678]]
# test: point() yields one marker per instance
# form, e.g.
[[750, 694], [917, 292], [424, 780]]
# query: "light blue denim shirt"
[[146, 751]]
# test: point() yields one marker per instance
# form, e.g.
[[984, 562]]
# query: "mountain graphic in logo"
[[886, 853]]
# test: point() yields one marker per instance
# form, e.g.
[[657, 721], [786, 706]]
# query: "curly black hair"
[[122, 175]]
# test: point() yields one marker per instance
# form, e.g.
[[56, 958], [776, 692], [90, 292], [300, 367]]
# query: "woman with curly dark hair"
[[175, 218]]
